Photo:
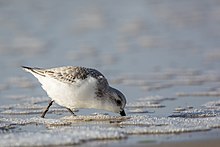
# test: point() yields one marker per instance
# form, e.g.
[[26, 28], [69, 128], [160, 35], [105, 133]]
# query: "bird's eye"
[[118, 102]]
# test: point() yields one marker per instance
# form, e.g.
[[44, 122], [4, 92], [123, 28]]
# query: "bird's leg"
[[45, 111], [71, 111]]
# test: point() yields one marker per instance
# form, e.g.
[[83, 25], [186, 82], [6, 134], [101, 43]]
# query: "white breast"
[[80, 94]]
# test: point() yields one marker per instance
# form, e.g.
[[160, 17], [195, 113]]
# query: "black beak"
[[123, 113]]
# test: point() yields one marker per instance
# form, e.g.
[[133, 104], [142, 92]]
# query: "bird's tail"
[[34, 70]]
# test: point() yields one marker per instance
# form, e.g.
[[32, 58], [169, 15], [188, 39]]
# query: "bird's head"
[[118, 100]]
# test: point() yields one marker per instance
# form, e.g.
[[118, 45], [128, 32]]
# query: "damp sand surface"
[[164, 56]]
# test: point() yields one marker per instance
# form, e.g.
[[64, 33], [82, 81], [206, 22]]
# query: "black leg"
[[45, 111], [71, 111]]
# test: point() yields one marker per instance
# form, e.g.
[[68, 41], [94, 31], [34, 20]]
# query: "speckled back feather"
[[69, 74]]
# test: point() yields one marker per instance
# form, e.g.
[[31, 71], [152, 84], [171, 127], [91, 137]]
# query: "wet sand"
[[163, 55], [200, 143]]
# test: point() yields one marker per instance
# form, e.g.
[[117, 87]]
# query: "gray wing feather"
[[69, 74]]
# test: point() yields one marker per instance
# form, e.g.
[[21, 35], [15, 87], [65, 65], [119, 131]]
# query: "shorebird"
[[76, 87]]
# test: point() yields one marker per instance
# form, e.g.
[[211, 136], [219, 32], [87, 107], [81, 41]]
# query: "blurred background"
[[120, 38], [163, 55]]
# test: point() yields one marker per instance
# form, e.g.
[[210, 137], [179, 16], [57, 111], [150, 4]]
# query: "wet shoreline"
[[163, 55]]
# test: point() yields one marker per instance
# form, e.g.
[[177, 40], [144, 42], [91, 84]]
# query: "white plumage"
[[79, 87]]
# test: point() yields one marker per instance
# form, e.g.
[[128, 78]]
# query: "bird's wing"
[[69, 74], [66, 74]]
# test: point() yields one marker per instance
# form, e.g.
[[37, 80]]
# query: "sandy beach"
[[164, 56], [200, 143]]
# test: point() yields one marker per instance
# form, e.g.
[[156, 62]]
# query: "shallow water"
[[163, 55]]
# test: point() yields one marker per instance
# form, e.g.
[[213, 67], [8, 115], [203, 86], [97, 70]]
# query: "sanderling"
[[79, 87]]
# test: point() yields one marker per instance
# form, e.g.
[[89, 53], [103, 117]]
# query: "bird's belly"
[[80, 94]]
